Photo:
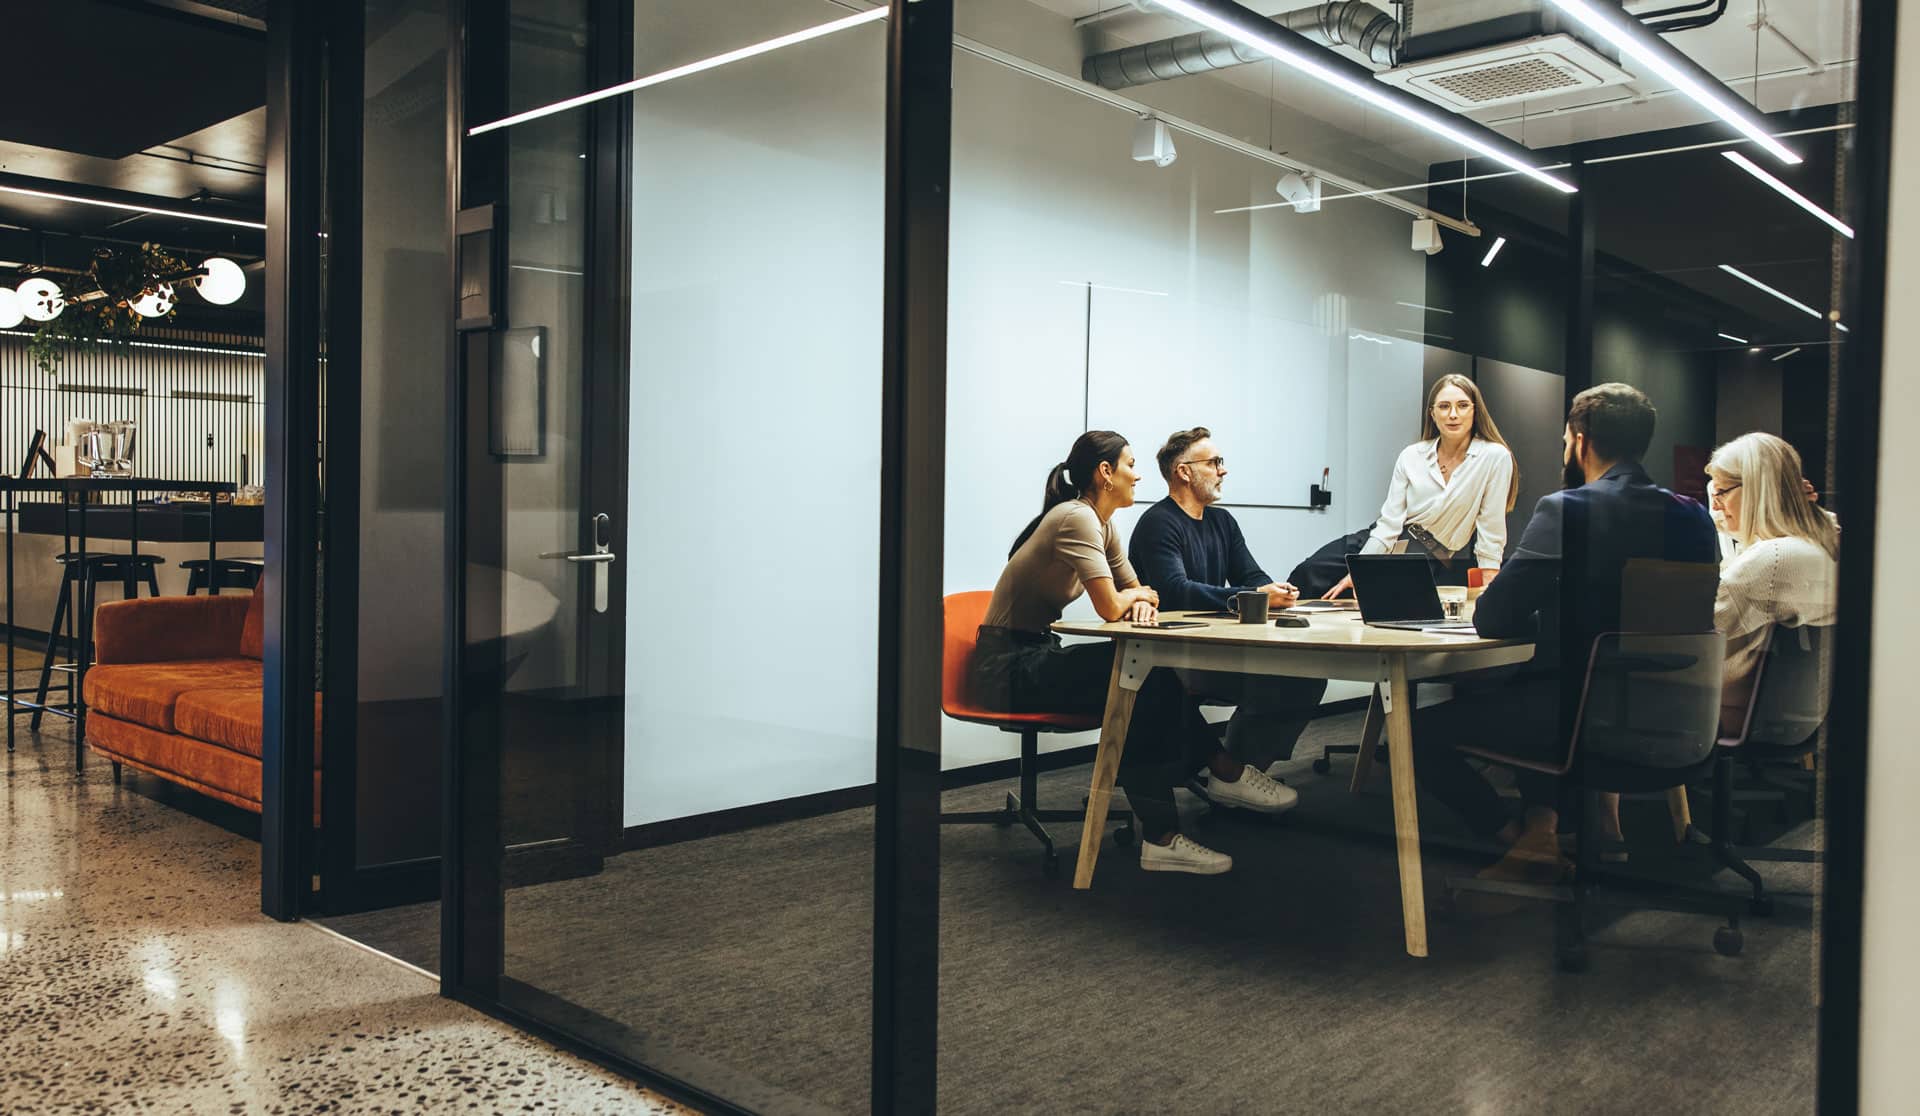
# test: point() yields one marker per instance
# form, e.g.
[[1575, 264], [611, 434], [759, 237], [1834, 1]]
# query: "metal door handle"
[[599, 556]]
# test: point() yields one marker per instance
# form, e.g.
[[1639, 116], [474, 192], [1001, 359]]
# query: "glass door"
[[668, 492], [539, 501]]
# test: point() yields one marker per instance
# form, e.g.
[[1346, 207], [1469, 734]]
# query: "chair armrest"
[[168, 629]]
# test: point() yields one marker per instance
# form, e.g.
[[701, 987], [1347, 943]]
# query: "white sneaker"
[[1183, 855], [1254, 790]]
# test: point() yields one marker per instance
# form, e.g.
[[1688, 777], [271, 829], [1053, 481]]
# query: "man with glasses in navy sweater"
[[1194, 555]]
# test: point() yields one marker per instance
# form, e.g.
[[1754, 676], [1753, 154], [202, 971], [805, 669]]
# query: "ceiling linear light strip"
[[1633, 39], [1499, 242], [1786, 298], [1731, 337], [1417, 306], [1786, 354], [130, 207], [816, 32], [1788, 192], [1297, 52]]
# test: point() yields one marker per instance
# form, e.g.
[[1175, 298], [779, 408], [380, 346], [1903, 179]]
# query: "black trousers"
[[1324, 568], [1514, 715], [1025, 672]]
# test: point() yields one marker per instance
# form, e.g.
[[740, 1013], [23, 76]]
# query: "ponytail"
[[1074, 477]]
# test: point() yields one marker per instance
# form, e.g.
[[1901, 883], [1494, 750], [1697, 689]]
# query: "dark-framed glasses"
[[1214, 463]]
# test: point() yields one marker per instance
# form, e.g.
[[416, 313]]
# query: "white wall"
[[757, 255], [1890, 984]]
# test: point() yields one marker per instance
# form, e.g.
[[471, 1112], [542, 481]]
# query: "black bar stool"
[[126, 569], [235, 573]]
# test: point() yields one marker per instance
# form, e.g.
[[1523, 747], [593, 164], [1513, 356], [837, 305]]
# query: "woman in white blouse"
[[1785, 566], [1451, 490]]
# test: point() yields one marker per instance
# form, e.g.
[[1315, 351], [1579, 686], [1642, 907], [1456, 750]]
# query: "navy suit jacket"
[[1587, 534]]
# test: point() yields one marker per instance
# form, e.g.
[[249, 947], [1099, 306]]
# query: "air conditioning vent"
[[1532, 69]]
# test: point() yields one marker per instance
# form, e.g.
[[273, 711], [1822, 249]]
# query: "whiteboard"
[[1157, 363]]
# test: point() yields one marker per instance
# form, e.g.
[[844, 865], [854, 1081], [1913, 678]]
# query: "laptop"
[[1397, 591]]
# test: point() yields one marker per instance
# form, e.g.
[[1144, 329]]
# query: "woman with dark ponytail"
[[1020, 666]]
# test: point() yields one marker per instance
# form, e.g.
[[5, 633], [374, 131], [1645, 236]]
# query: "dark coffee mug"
[[1251, 606]]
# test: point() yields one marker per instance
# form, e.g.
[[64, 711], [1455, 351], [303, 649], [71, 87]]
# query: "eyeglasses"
[[1213, 463], [1463, 407], [1719, 495]]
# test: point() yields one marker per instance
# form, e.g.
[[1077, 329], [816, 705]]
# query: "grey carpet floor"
[[1281, 987]]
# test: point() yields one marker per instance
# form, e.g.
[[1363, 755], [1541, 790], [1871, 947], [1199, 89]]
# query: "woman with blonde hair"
[[1451, 490], [1785, 566]]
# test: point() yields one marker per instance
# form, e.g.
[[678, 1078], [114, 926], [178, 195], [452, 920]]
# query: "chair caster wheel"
[[1728, 941], [1572, 960], [1322, 765], [1761, 907], [1123, 836], [1050, 866]]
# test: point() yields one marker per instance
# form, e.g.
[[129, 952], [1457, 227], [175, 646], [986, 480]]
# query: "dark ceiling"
[[110, 80], [1664, 223], [168, 113]]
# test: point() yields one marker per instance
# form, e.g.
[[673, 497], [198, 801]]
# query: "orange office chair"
[[964, 611]]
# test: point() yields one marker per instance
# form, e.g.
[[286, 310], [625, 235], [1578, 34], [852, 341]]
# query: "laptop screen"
[[1394, 587]]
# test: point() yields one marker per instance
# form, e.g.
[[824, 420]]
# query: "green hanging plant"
[[114, 280]]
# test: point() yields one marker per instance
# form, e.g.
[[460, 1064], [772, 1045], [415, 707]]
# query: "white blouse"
[[1788, 581], [1452, 509]]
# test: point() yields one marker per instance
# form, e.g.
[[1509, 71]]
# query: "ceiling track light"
[[1786, 354], [1633, 39], [1499, 242], [1732, 338], [1294, 50], [1788, 192]]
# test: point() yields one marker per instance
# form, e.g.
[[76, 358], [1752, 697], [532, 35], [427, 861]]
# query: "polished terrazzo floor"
[[138, 975]]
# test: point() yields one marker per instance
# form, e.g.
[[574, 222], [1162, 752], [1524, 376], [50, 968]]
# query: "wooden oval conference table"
[[1334, 645]]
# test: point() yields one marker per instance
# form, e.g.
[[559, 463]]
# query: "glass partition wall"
[[1552, 365]]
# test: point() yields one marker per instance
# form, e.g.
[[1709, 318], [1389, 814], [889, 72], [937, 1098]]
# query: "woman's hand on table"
[[1143, 611], [1339, 589], [1281, 594]]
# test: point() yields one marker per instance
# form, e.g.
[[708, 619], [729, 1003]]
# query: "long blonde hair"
[[1483, 424], [1773, 498]]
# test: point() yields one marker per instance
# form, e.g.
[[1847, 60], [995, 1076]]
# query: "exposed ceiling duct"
[[1349, 23]]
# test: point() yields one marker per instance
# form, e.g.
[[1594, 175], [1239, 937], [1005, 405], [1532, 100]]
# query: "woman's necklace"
[[1447, 467]]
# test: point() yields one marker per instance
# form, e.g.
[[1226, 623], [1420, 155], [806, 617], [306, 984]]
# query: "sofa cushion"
[[253, 634], [147, 693], [232, 718], [156, 629]]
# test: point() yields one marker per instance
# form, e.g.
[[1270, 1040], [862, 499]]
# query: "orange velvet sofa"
[[175, 691]]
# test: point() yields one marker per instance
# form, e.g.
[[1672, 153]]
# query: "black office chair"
[[235, 573], [1783, 720], [85, 578], [1648, 719]]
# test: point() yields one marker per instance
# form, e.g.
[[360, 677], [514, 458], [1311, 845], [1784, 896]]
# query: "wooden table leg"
[[1106, 767], [1681, 812], [1406, 815], [1369, 740]]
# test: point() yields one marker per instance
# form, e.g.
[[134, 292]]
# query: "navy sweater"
[[1193, 563]]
